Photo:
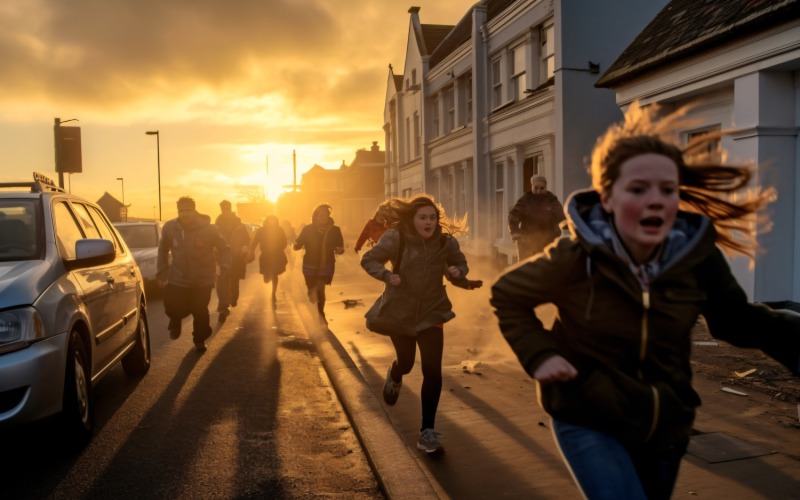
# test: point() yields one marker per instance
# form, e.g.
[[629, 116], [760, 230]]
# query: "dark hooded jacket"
[[420, 301], [535, 218], [319, 243], [631, 343], [192, 247]]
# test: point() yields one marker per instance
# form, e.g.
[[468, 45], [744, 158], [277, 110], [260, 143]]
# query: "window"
[[499, 201], [497, 84], [67, 231], [435, 124], [518, 69], [413, 77], [548, 43], [408, 139], [406, 193], [469, 100], [107, 234], [417, 138], [711, 147], [86, 221], [450, 109]]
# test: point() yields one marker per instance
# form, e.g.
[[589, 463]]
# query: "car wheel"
[[137, 361], [78, 409]]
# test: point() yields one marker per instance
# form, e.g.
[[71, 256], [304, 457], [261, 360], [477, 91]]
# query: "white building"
[[741, 60], [505, 93]]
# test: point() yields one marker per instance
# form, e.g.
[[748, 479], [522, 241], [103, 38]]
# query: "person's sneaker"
[[200, 346], [175, 331], [223, 315], [391, 389], [429, 442]]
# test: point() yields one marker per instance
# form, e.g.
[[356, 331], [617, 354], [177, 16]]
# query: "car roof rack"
[[41, 183]]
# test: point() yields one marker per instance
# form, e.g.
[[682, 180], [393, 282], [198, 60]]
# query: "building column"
[[767, 133]]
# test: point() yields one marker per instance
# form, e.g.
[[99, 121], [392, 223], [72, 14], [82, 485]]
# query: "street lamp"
[[123, 188], [158, 156]]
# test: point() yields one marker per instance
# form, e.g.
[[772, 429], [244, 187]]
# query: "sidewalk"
[[497, 437]]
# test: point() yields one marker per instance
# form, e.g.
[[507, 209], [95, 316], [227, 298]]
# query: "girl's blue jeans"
[[604, 469]]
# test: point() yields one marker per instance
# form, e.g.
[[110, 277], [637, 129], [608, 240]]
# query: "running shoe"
[[429, 442], [391, 389]]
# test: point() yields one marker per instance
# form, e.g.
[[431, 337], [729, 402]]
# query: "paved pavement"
[[498, 440]]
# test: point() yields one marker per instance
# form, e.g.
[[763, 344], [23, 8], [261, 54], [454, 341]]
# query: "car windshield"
[[18, 230], [140, 236]]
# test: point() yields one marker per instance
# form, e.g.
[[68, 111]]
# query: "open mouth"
[[652, 222]]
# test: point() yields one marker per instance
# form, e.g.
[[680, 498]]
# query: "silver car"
[[72, 306], [142, 238]]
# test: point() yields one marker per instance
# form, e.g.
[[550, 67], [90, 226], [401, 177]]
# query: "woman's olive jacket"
[[631, 344], [420, 301]]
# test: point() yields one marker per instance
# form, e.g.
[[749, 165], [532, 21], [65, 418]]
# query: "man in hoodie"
[[238, 239], [533, 221], [189, 278]]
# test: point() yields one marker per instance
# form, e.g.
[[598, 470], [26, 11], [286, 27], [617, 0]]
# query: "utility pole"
[[294, 170]]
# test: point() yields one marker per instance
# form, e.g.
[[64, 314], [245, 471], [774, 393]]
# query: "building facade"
[[505, 93], [738, 62]]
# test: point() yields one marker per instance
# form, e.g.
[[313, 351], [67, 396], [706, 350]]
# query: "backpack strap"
[[400, 248]]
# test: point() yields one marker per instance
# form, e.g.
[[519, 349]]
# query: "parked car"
[[72, 306], [142, 238]]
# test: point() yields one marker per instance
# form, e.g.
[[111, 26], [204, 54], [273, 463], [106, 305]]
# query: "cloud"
[[115, 51]]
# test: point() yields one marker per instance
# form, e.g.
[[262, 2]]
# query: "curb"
[[398, 473]]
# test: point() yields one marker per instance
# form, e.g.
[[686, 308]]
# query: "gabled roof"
[[687, 27], [432, 35], [462, 32]]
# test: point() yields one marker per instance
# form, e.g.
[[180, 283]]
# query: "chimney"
[[375, 146]]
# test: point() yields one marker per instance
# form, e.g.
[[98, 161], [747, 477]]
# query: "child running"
[[641, 265], [414, 305]]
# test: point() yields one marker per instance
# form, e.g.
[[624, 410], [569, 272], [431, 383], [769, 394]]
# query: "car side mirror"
[[92, 252]]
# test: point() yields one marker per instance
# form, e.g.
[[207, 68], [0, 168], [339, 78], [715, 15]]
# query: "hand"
[[454, 272], [473, 284], [395, 280], [515, 237], [338, 250], [555, 369]]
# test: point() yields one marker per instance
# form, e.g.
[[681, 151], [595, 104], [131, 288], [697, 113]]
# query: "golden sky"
[[228, 84]]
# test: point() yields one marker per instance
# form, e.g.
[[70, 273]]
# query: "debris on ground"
[[701, 342], [471, 366], [348, 303], [746, 373], [733, 391]]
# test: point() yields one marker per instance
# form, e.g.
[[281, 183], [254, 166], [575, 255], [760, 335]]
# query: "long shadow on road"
[[208, 420]]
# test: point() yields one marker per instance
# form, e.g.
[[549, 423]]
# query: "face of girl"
[[322, 217], [644, 203], [539, 187], [425, 221]]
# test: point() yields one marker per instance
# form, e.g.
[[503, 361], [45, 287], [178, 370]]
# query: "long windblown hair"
[[724, 193], [401, 211]]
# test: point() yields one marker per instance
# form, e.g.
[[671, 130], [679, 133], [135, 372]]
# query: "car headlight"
[[19, 327]]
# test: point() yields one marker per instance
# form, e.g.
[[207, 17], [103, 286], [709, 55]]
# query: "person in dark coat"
[[271, 238], [321, 240], [235, 233], [414, 306], [188, 276], [533, 220], [614, 371]]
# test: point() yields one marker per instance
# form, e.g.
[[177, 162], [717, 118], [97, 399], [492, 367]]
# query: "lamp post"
[[123, 188], [158, 156]]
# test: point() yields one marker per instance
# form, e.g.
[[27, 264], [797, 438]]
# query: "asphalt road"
[[254, 417]]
